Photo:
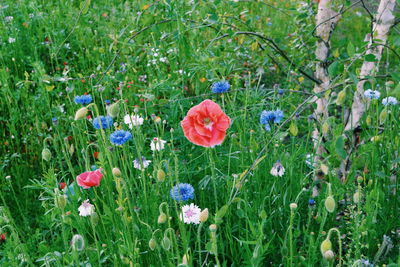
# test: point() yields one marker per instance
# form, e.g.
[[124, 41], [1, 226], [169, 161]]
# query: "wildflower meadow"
[[199, 133]]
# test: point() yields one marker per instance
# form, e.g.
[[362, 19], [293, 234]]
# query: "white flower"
[[9, 18], [86, 209], [133, 120], [277, 169], [389, 101], [371, 94], [141, 165], [163, 59], [11, 40], [190, 214], [157, 144]]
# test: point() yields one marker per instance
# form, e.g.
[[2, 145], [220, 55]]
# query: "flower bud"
[[113, 110], [160, 175], [152, 244], [116, 172], [368, 120], [325, 246], [46, 154], [94, 218], [293, 206], [213, 227], [357, 197], [61, 201], [341, 97], [81, 113], [330, 204], [329, 255], [162, 218], [204, 215], [185, 259], [77, 243], [325, 127], [166, 243], [360, 179], [383, 115]]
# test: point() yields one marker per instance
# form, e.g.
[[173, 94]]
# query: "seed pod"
[[325, 246], [293, 206], [204, 215], [162, 218], [81, 113], [116, 172], [330, 204], [46, 154], [160, 175], [152, 244]]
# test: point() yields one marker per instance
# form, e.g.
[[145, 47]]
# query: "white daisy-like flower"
[[190, 214], [157, 144], [133, 120], [389, 101], [86, 209], [141, 165], [11, 40], [278, 169]]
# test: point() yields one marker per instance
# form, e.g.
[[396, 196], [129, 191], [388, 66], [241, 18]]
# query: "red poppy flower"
[[96, 154], [206, 124], [89, 179], [3, 237], [62, 185]]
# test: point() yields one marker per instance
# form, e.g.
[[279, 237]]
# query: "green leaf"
[[340, 147], [221, 213], [370, 58]]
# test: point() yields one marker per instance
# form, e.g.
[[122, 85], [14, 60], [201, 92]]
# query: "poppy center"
[[208, 123]]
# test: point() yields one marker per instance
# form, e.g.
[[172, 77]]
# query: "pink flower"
[[89, 179], [206, 124]]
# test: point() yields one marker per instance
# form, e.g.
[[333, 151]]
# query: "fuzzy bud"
[[330, 204], [293, 206], [357, 197], [325, 246], [160, 175], [204, 215], [213, 227], [325, 128], [360, 179], [152, 244], [61, 201], [329, 255], [185, 259], [368, 120], [81, 113], [162, 218], [341, 97], [94, 218], [116, 172], [166, 243], [46, 154], [77, 243], [383, 115], [113, 110]]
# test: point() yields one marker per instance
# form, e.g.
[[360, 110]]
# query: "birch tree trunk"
[[384, 20], [326, 20]]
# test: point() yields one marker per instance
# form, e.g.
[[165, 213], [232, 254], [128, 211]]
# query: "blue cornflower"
[[311, 202], [220, 87], [108, 102], [389, 101], [55, 121], [371, 94], [270, 116], [182, 192], [106, 122], [120, 137], [83, 99], [93, 167]]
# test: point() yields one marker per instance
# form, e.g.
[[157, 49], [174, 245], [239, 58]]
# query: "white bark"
[[384, 20], [326, 20]]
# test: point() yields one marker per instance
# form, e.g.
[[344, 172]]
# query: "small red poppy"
[[96, 154], [62, 185]]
